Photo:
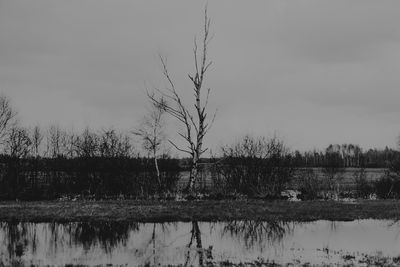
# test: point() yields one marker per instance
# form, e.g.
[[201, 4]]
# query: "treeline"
[[347, 155], [52, 163], [265, 168], [47, 164]]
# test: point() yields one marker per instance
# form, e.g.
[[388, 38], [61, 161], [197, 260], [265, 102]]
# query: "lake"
[[196, 243]]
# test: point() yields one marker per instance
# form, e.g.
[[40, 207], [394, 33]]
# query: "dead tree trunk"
[[151, 131], [157, 169], [195, 122]]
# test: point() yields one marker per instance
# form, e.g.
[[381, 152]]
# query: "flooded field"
[[372, 174], [197, 243]]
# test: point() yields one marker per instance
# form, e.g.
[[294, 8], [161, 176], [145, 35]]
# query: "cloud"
[[306, 69]]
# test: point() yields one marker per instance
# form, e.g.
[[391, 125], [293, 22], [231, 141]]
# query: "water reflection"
[[108, 234], [258, 232], [195, 248], [194, 243], [19, 237]]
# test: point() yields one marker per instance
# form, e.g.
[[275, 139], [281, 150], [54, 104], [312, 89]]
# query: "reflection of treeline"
[[19, 238], [23, 240]]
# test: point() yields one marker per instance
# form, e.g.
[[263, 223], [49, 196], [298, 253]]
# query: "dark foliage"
[[99, 177], [309, 184], [387, 187], [256, 167], [364, 187]]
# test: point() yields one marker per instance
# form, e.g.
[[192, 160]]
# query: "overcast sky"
[[313, 72]]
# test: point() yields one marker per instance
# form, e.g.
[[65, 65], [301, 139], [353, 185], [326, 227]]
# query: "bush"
[[37, 179], [387, 187], [309, 184], [333, 171], [363, 187], [256, 167]]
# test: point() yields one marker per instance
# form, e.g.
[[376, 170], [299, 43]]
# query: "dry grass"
[[152, 211]]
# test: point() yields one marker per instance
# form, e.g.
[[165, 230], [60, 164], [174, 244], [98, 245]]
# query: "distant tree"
[[114, 145], [7, 115], [69, 143], [87, 144], [151, 131], [333, 167], [108, 144], [18, 143], [394, 166], [125, 148], [195, 123], [56, 141], [36, 138], [18, 146]]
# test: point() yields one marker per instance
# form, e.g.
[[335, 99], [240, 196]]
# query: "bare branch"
[[178, 148], [195, 122]]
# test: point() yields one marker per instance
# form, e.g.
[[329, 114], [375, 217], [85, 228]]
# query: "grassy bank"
[[151, 211]]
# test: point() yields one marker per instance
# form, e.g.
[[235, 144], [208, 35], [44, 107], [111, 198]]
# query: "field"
[[152, 211], [347, 182]]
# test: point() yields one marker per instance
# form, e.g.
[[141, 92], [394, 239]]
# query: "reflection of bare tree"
[[253, 232], [152, 249], [334, 225], [196, 237], [154, 244], [152, 241]]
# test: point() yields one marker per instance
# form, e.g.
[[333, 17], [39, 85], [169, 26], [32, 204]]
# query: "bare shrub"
[[363, 186], [256, 166], [333, 171], [309, 184]]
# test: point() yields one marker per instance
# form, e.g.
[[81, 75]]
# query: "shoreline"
[[207, 210]]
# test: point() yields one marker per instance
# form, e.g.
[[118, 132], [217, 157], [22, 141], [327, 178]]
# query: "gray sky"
[[313, 72]]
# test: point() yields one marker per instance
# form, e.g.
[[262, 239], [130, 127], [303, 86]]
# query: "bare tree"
[[18, 142], [195, 123], [18, 146], [71, 139], [37, 138], [109, 144], [54, 141], [87, 144], [57, 141], [7, 114], [125, 148], [151, 131], [333, 168], [113, 144], [256, 166]]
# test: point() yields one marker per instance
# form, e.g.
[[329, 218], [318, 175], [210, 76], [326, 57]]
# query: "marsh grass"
[[207, 210]]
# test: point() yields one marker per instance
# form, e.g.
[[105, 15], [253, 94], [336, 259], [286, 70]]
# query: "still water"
[[196, 243]]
